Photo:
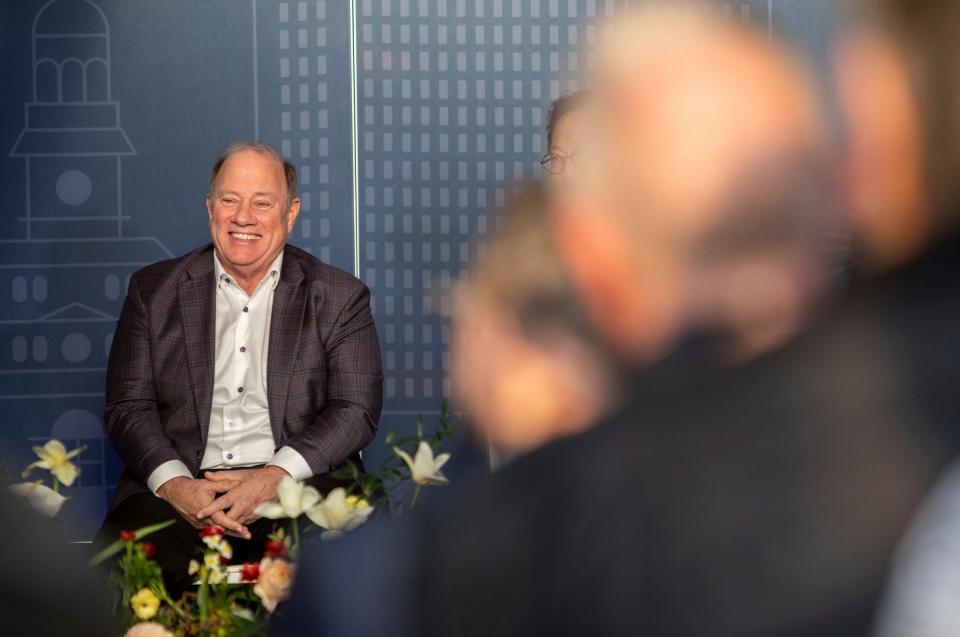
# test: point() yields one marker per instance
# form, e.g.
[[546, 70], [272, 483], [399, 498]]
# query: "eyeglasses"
[[555, 163]]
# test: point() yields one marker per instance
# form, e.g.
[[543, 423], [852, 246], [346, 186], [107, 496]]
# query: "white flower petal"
[[271, 510], [41, 498]]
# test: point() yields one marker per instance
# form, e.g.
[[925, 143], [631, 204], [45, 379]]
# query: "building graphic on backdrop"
[[65, 279]]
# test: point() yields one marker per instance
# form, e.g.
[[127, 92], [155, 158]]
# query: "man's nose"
[[243, 215]]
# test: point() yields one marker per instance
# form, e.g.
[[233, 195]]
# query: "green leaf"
[[118, 546], [390, 436], [419, 427]]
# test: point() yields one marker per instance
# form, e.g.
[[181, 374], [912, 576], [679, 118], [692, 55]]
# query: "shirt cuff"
[[167, 471], [290, 460]]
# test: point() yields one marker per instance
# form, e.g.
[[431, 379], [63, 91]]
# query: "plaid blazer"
[[324, 380]]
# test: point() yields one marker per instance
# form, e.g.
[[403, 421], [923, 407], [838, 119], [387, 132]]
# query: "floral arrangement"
[[55, 458], [239, 599]]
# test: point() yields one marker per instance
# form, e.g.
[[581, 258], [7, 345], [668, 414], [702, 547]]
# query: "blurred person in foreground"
[[758, 495], [760, 487], [47, 587], [526, 363], [900, 91], [566, 135]]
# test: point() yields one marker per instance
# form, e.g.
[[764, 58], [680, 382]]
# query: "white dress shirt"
[[239, 433]]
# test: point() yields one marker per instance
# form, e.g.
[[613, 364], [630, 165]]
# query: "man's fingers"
[[220, 476], [228, 524], [222, 486], [221, 503]]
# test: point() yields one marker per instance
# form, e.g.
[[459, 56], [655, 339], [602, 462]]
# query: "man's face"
[[249, 218]]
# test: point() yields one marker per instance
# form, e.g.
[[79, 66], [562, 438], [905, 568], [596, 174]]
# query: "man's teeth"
[[244, 237]]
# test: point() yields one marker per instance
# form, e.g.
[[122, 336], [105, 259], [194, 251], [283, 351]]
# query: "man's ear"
[[209, 202], [292, 212], [599, 261], [883, 167]]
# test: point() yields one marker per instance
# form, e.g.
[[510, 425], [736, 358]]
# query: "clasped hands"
[[225, 498]]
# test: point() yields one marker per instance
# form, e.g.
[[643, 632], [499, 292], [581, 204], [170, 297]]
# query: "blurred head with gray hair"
[[708, 198], [525, 359]]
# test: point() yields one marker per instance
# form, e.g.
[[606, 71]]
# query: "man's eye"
[[230, 201], [264, 205]]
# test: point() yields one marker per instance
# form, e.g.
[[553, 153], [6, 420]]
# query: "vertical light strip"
[[355, 150], [256, 78], [770, 17]]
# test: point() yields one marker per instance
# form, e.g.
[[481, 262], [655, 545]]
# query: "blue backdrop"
[[407, 120]]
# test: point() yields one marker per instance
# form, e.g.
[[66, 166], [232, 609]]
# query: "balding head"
[[686, 105], [706, 135]]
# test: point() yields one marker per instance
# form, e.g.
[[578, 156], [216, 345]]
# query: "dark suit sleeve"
[[349, 419], [132, 415]]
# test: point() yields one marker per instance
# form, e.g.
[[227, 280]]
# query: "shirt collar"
[[273, 273]]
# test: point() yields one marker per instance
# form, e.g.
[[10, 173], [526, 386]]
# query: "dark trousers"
[[177, 544]]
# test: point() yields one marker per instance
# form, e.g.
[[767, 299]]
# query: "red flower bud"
[[250, 572], [275, 548], [149, 550], [128, 536], [211, 530]]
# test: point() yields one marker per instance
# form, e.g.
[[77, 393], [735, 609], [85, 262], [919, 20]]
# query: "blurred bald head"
[[704, 131], [686, 103], [899, 88]]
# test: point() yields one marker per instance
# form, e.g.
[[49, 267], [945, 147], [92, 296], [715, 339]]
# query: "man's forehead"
[[246, 165]]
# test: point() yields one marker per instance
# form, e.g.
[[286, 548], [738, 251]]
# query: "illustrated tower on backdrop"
[[63, 283]]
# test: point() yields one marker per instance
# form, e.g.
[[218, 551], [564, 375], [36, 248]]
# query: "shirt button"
[[229, 456], [240, 390], [243, 349], [230, 425], [246, 309], [226, 279]]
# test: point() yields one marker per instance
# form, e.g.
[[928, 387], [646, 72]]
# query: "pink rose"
[[274, 583], [148, 629]]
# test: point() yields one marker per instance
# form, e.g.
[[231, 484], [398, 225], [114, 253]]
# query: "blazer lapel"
[[286, 323], [197, 315]]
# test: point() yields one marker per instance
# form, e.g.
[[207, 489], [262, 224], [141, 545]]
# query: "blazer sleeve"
[[132, 415], [348, 421]]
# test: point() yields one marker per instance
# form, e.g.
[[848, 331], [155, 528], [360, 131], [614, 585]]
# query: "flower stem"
[[413, 500], [295, 549], [56, 485]]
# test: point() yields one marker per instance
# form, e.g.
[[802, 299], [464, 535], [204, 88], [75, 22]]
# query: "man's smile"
[[242, 236]]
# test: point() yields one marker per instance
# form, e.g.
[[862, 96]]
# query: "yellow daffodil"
[[145, 603], [293, 499], [338, 513], [55, 457], [424, 468], [225, 549], [216, 575], [211, 560]]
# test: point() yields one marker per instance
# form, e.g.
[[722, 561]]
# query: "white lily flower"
[[424, 468], [225, 550], [55, 457], [338, 513], [293, 499], [41, 498]]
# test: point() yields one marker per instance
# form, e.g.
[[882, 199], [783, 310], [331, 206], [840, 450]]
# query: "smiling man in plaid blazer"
[[235, 365]]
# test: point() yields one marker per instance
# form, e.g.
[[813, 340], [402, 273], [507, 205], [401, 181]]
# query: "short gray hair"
[[257, 146]]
